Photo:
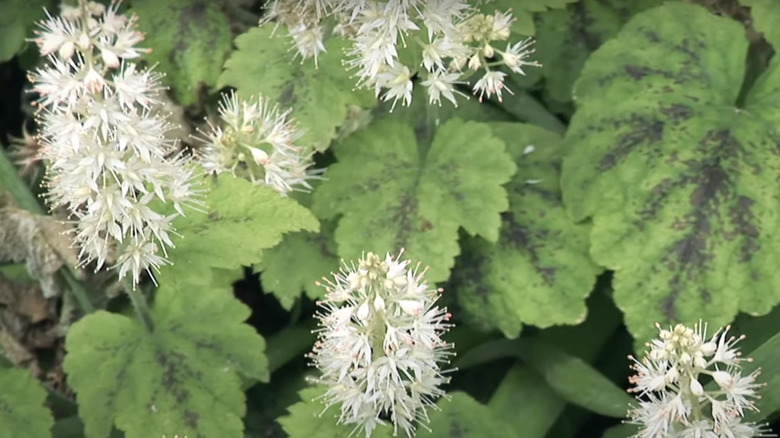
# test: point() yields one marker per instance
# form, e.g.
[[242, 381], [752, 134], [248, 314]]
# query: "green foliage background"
[[631, 180]]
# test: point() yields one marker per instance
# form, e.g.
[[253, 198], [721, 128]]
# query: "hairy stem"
[[139, 303]]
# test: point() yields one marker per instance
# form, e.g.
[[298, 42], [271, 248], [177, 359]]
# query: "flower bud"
[[475, 62], [84, 42], [67, 50], [109, 58], [696, 387], [363, 312]]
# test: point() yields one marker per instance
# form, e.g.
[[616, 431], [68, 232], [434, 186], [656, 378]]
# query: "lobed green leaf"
[[764, 15], [182, 378], [23, 410], [539, 271], [672, 169], [318, 95], [190, 40], [313, 256], [394, 193], [566, 37], [242, 221]]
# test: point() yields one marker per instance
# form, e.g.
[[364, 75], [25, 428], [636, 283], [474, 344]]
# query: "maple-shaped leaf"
[[566, 37], [763, 18], [191, 40], [458, 415], [395, 193], [318, 95], [180, 378], [297, 263], [242, 220], [539, 272], [23, 411], [675, 163]]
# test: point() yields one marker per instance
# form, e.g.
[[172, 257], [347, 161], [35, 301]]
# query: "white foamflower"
[[450, 34], [107, 155], [440, 84], [673, 401], [379, 347], [515, 56], [492, 82], [257, 140]]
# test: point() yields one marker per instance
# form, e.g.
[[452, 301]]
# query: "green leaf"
[[621, 431], [674, 173], [767, 358], [539, 272], [511, 402], [575, 380], [223, 278], [191, 40], [242, 221], [571, 377], [394, 195], [586, 341], [457, 416], [764, 15], [288, 344], [180, 379], [565, 38], [73, 427], [16, 24], [462, 416], [319, 96], [297, 263], [23, 411]]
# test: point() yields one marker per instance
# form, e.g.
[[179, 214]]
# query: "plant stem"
[[289, 344], [9, 178], [139, 304], [76, 288]]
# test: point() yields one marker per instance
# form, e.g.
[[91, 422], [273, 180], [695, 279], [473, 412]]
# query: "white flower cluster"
[[380, 348], [454, 40], [105, 148], [256, 140], [673, 400]]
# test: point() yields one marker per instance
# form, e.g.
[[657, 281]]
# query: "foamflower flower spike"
[[454, 38], [380, 350], [107, 156], [674, 399]]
